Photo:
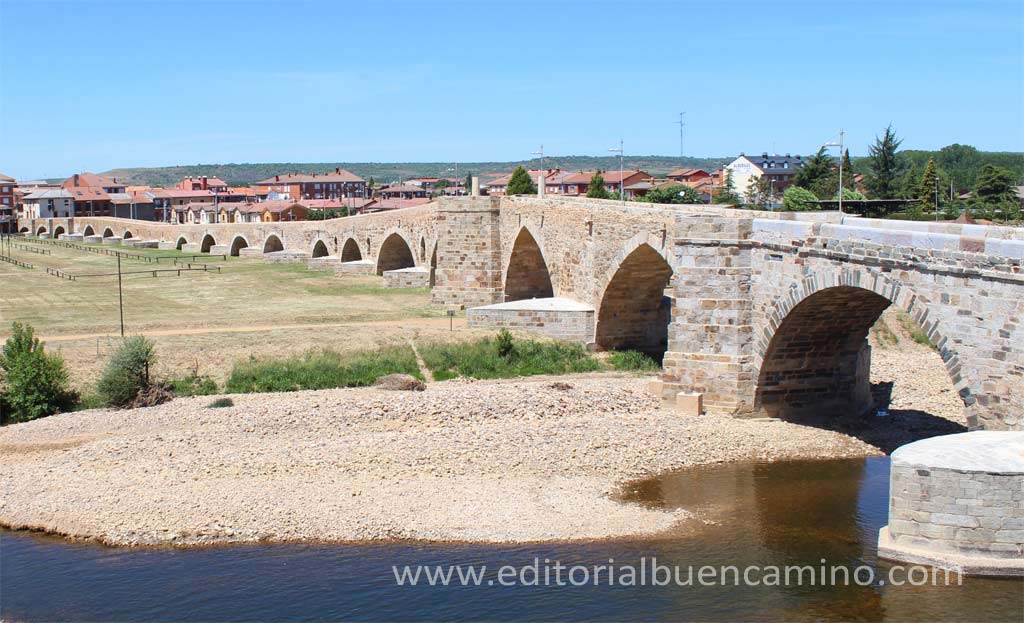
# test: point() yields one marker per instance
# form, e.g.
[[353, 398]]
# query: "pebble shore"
[[496, 461]]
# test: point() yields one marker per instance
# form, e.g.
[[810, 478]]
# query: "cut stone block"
[[414, 277], [688, 403], [220, 249], [250, 252], [92, 239], [288, 256], [326, 262], [191, 247], [112, 240], [357, 267], [560, 318], [72, 237], [167, 245]]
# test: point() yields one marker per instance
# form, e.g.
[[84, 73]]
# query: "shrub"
[[483, 360], [221, 403], [320, 370], [127, 373], [632, 360], [35, 384], [797, 199], [193, 385], [506, 347]]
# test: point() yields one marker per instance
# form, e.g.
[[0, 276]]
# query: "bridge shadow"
[[886, 432]]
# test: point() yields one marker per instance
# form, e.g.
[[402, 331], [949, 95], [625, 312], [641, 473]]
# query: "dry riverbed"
[[495, 461]]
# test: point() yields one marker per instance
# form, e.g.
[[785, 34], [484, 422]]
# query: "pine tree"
[[467, 184], [815, 171], [994, 193], [885, 167], [520, 183], [849, 181], [596, 189], [927, 189], [727, 194]]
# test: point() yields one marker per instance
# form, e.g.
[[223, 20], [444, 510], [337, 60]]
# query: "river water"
[[793, 513]]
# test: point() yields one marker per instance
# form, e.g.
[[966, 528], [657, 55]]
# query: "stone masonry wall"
[[574, 326]]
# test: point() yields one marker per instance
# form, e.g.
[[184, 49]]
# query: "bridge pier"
[[468, 270]]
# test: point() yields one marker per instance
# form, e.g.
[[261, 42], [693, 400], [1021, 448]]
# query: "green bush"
[[33, 384], [632, 360], [506, 347], [221, 403], [797, 199], [127, 373], [193, 385], [320, 370], [483, 359]]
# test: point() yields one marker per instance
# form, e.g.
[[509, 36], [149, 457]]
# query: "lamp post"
[[622, 191], [840, 145]]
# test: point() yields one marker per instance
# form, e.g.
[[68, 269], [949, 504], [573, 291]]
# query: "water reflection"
[[757, 514]]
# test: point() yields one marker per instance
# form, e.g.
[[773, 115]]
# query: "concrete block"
[[689, 403], [250, 252], [93, 239], [357, 267], [72, 237], [220, 249], [657, 388], [112, 240], [167, 245], [191, 247]]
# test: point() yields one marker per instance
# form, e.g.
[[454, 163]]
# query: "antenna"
[[682, 124]]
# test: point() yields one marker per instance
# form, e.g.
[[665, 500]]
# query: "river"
[[747, 515]]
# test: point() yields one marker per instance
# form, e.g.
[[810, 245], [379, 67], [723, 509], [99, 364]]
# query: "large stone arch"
[[433, 266], [88, 231], [395, 252], [350, 251], [127, 235], [238, 243], [207, 242], [40, 230], [58, 230], [633, 311], [182, 241], [813, 357], [24, 230], [273, 244], [320, 249], [108, 233], [526, 274]]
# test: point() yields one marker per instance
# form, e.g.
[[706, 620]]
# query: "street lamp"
[[840, 145], [622, 191]]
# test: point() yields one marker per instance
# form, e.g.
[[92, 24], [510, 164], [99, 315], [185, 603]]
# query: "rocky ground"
[[497, 461]]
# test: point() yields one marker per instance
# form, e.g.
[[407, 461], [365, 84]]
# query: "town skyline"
[[494, 85]]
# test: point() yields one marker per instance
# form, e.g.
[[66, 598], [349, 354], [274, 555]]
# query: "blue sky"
[[92, 86]]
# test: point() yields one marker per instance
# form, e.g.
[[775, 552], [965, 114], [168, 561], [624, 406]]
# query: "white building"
[[48, 203], [779, 170]]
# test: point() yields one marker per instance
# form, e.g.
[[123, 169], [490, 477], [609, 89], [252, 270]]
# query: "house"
[[613, 180], [498, 185], [48, 203], [688, 176], [91, 193], [298, 186], [778, 170], [274, 210], [402, 191], [128, 205], [213, 184], [7, 203]]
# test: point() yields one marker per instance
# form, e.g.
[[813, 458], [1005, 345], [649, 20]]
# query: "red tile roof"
[[91, 179], [339, 175]]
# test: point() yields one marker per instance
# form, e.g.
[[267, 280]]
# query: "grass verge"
[[484, 359], [320, 370]]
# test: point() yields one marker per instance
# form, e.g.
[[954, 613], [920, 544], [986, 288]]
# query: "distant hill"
[[382, 172]]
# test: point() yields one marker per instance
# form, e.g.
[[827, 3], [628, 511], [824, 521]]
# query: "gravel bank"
[[471, 461]]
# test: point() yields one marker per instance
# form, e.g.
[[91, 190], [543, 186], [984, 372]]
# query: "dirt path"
[[409, 322]]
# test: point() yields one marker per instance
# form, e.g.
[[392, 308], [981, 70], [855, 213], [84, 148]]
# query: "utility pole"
[[936, 197], [120, 293], [682, 124], [541, 154], [622, 190]]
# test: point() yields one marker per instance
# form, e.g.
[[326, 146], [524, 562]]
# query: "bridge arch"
[[320, 249], [237, 244], [350, 251], [23, 230], [127, 235], [273, 244], [88, 231], [108, 233], [633, 312], [181, 242], [395, 252], [433, 266], [813, 357], [58, 230], [423, 249], [208, 241], [526, 274], [40, 230]]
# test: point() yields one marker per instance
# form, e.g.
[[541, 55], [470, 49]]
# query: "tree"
[[520, 183], [34, 383], [994, 192], [814, 171], [758, 191], [927, 190], [961, 163], [370, 185], [884, 166], [596, 189], [727, 194], [127, 373], [672, 193], [850, 195], [440, 186], [467, 184], [797, 199], [848, 180]]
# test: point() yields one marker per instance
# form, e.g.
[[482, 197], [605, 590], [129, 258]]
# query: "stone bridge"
[[761, 313]]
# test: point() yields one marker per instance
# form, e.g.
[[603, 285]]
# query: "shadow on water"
[[792, 513]]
